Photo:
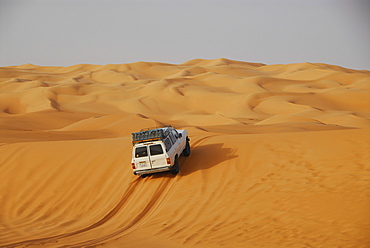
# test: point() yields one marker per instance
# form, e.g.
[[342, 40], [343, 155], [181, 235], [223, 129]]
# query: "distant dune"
[[280, 155]]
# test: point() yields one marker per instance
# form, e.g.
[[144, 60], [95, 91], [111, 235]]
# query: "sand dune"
[[280, 155]]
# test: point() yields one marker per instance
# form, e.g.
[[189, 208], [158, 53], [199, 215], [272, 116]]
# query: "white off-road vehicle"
[[158, 149]]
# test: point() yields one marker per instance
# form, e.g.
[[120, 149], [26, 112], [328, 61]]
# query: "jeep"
[[158, 149]]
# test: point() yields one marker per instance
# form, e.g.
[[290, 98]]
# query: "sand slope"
[[280, 155]]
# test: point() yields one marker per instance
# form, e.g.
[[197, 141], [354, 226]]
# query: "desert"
[[280, 155]]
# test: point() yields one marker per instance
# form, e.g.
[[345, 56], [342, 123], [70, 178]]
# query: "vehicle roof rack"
[[151, 134]]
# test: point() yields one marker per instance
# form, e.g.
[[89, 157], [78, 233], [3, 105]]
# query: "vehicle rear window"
[[141, 152], [156, 149]]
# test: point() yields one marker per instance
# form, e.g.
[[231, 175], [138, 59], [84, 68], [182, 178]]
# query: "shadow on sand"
[[204, 157], [201, 158]]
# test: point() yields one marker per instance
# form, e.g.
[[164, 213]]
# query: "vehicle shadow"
[[204, 157]]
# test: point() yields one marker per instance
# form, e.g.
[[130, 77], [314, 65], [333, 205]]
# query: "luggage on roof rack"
[[151, 134]]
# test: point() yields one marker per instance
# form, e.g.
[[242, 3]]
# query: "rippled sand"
[[280, 155]]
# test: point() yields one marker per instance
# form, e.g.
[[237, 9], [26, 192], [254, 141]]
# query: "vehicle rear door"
[[142, 161], [157, 156]]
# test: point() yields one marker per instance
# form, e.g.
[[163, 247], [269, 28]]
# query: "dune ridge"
[[280, 155]]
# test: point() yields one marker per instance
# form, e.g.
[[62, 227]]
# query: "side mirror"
[[180, 135]]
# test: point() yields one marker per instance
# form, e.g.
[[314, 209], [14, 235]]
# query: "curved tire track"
[[155, 201]]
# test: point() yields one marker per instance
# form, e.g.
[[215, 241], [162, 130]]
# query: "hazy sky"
[[68, 32]]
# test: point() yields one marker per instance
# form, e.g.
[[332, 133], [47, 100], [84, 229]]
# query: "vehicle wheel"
[[175, 168], [186, 151]]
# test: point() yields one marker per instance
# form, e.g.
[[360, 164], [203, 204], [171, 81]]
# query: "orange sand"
[[280, 155]]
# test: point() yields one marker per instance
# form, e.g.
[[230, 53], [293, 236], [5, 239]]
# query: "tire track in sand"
[[155, 201]]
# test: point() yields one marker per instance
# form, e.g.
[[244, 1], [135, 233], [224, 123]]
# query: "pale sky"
[[69, 32]]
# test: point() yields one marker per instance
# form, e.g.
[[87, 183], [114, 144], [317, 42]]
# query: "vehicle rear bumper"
[[154, 170]]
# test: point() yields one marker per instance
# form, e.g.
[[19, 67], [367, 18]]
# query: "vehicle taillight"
[[133, 165], [168, 160]]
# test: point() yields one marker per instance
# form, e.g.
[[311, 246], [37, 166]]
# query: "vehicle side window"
[[141, 152], [172, 138], [174, 132], [156, 150], [168, 144]]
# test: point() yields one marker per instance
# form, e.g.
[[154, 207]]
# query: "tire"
[[175, 168], [186, 151]]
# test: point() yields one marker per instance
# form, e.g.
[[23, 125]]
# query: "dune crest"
[[280, 155]]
